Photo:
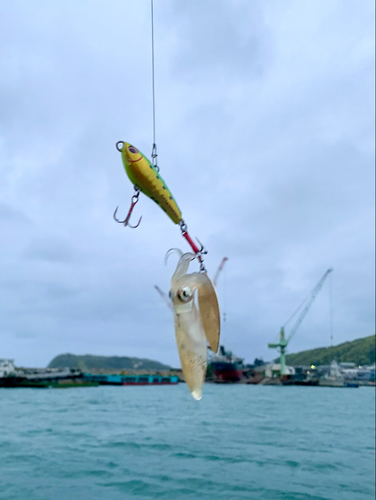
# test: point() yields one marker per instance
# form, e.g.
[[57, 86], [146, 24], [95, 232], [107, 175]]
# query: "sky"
[[265, 123]]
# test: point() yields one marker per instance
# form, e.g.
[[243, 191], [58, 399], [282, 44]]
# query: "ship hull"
[[227, 372], [22, 382]]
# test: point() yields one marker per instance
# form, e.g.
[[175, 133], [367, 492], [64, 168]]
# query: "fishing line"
[[137, 167], [154, 153]]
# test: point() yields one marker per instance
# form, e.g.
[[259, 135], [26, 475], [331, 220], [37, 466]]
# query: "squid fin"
[[209, 312]]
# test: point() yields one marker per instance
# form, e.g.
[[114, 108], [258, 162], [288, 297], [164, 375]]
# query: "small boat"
[[305, 382], [335, 378]]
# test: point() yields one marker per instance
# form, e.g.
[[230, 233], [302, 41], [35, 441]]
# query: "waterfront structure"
[[6, 367], [275, 370]]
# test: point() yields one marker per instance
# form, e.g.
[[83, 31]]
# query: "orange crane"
[[223, 262]]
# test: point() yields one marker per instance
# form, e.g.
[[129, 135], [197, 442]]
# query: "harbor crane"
[[283, 342]]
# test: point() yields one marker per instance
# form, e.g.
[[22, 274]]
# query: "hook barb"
[[202, 250]]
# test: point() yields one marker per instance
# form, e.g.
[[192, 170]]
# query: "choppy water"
[[239, 442]]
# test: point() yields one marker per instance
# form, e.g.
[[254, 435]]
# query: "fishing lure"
[[146, 179], [194, 326]]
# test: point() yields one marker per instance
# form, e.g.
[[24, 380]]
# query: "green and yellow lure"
[[147, 179]]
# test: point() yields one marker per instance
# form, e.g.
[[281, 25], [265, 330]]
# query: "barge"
[[133, 379]]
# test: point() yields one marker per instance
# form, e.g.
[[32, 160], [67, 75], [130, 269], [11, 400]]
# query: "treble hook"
[[199, 252], [202, 251], [126, 220]]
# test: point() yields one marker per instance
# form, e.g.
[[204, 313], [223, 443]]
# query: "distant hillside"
[[360, 351], [87, 363]]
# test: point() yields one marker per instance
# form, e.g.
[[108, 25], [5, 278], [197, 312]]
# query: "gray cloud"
[[265, 133], [49, 250], [11, 216], [228, 37]]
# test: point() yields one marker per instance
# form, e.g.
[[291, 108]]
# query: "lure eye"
[[185, 294], [133, 150]]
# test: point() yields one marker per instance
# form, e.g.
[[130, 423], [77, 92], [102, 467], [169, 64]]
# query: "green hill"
[[89, 363], [360, 351]]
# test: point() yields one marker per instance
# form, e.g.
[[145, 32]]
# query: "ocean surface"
[[238, 442]]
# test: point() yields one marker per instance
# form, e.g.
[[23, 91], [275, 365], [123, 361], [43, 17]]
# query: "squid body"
[[194, 325]]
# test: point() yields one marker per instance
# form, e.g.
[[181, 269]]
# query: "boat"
[[120, 379], [301, 381], [225, 366], [42, 379], [335, 378]]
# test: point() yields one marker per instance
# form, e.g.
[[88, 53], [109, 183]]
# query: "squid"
[[195, 326]]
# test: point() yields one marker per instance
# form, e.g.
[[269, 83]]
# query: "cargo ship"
[[226, 366]]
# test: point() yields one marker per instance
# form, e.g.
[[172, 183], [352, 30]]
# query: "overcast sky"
[[265, 132]]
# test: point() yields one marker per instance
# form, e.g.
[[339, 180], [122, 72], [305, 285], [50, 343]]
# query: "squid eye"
[[185, 294], [131, 149], [170, 294]]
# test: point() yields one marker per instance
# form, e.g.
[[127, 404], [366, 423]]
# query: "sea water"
[[238, 442]]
